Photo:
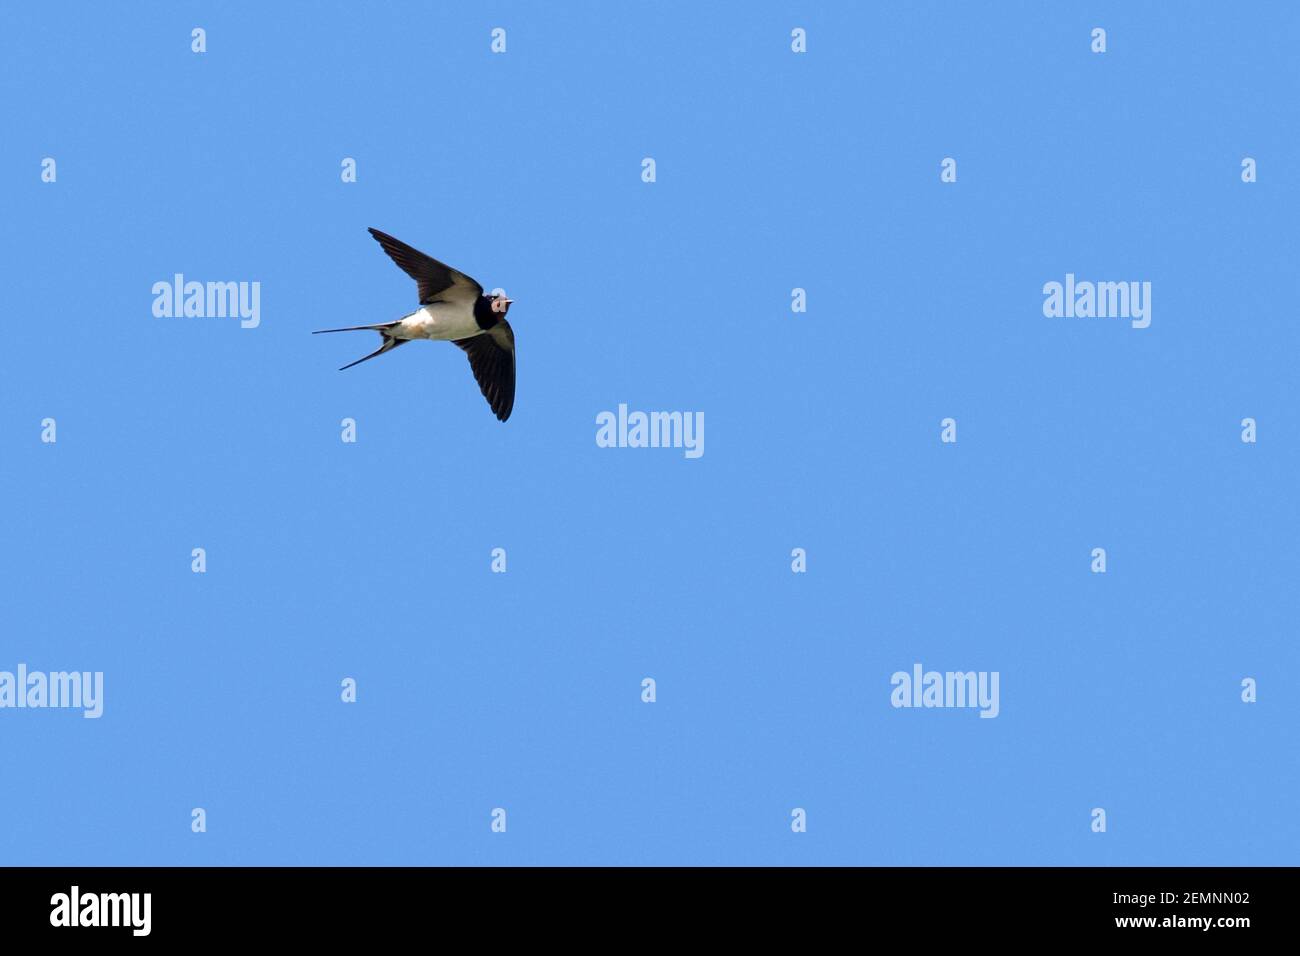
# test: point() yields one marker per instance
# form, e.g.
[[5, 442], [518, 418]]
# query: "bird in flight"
[[454, 308]]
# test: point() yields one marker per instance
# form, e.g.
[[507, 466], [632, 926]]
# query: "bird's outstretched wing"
[[435, 280], [492, 359]]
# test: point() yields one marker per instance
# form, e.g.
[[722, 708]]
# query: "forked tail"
[[360, 328], [389, 344]]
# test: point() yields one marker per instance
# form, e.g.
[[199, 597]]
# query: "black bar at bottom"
[[376, 904]]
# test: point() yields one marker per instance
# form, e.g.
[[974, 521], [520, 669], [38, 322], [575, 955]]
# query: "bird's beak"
[[510, 301]]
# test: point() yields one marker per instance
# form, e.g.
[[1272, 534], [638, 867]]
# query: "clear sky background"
[[523, 690]]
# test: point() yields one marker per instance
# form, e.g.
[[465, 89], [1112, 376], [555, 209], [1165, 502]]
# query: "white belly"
[[441, 320]]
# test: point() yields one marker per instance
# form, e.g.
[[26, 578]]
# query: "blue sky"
[[522, 690]]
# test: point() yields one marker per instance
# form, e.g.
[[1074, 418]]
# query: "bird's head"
[[500, 304]]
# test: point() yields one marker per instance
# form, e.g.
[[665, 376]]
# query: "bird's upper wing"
[[433, 277], [492, 359]]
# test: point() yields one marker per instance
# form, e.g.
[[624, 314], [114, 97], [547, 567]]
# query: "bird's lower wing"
[[492, 360]]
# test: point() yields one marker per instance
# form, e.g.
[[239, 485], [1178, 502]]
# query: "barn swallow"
[[453, 308]]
